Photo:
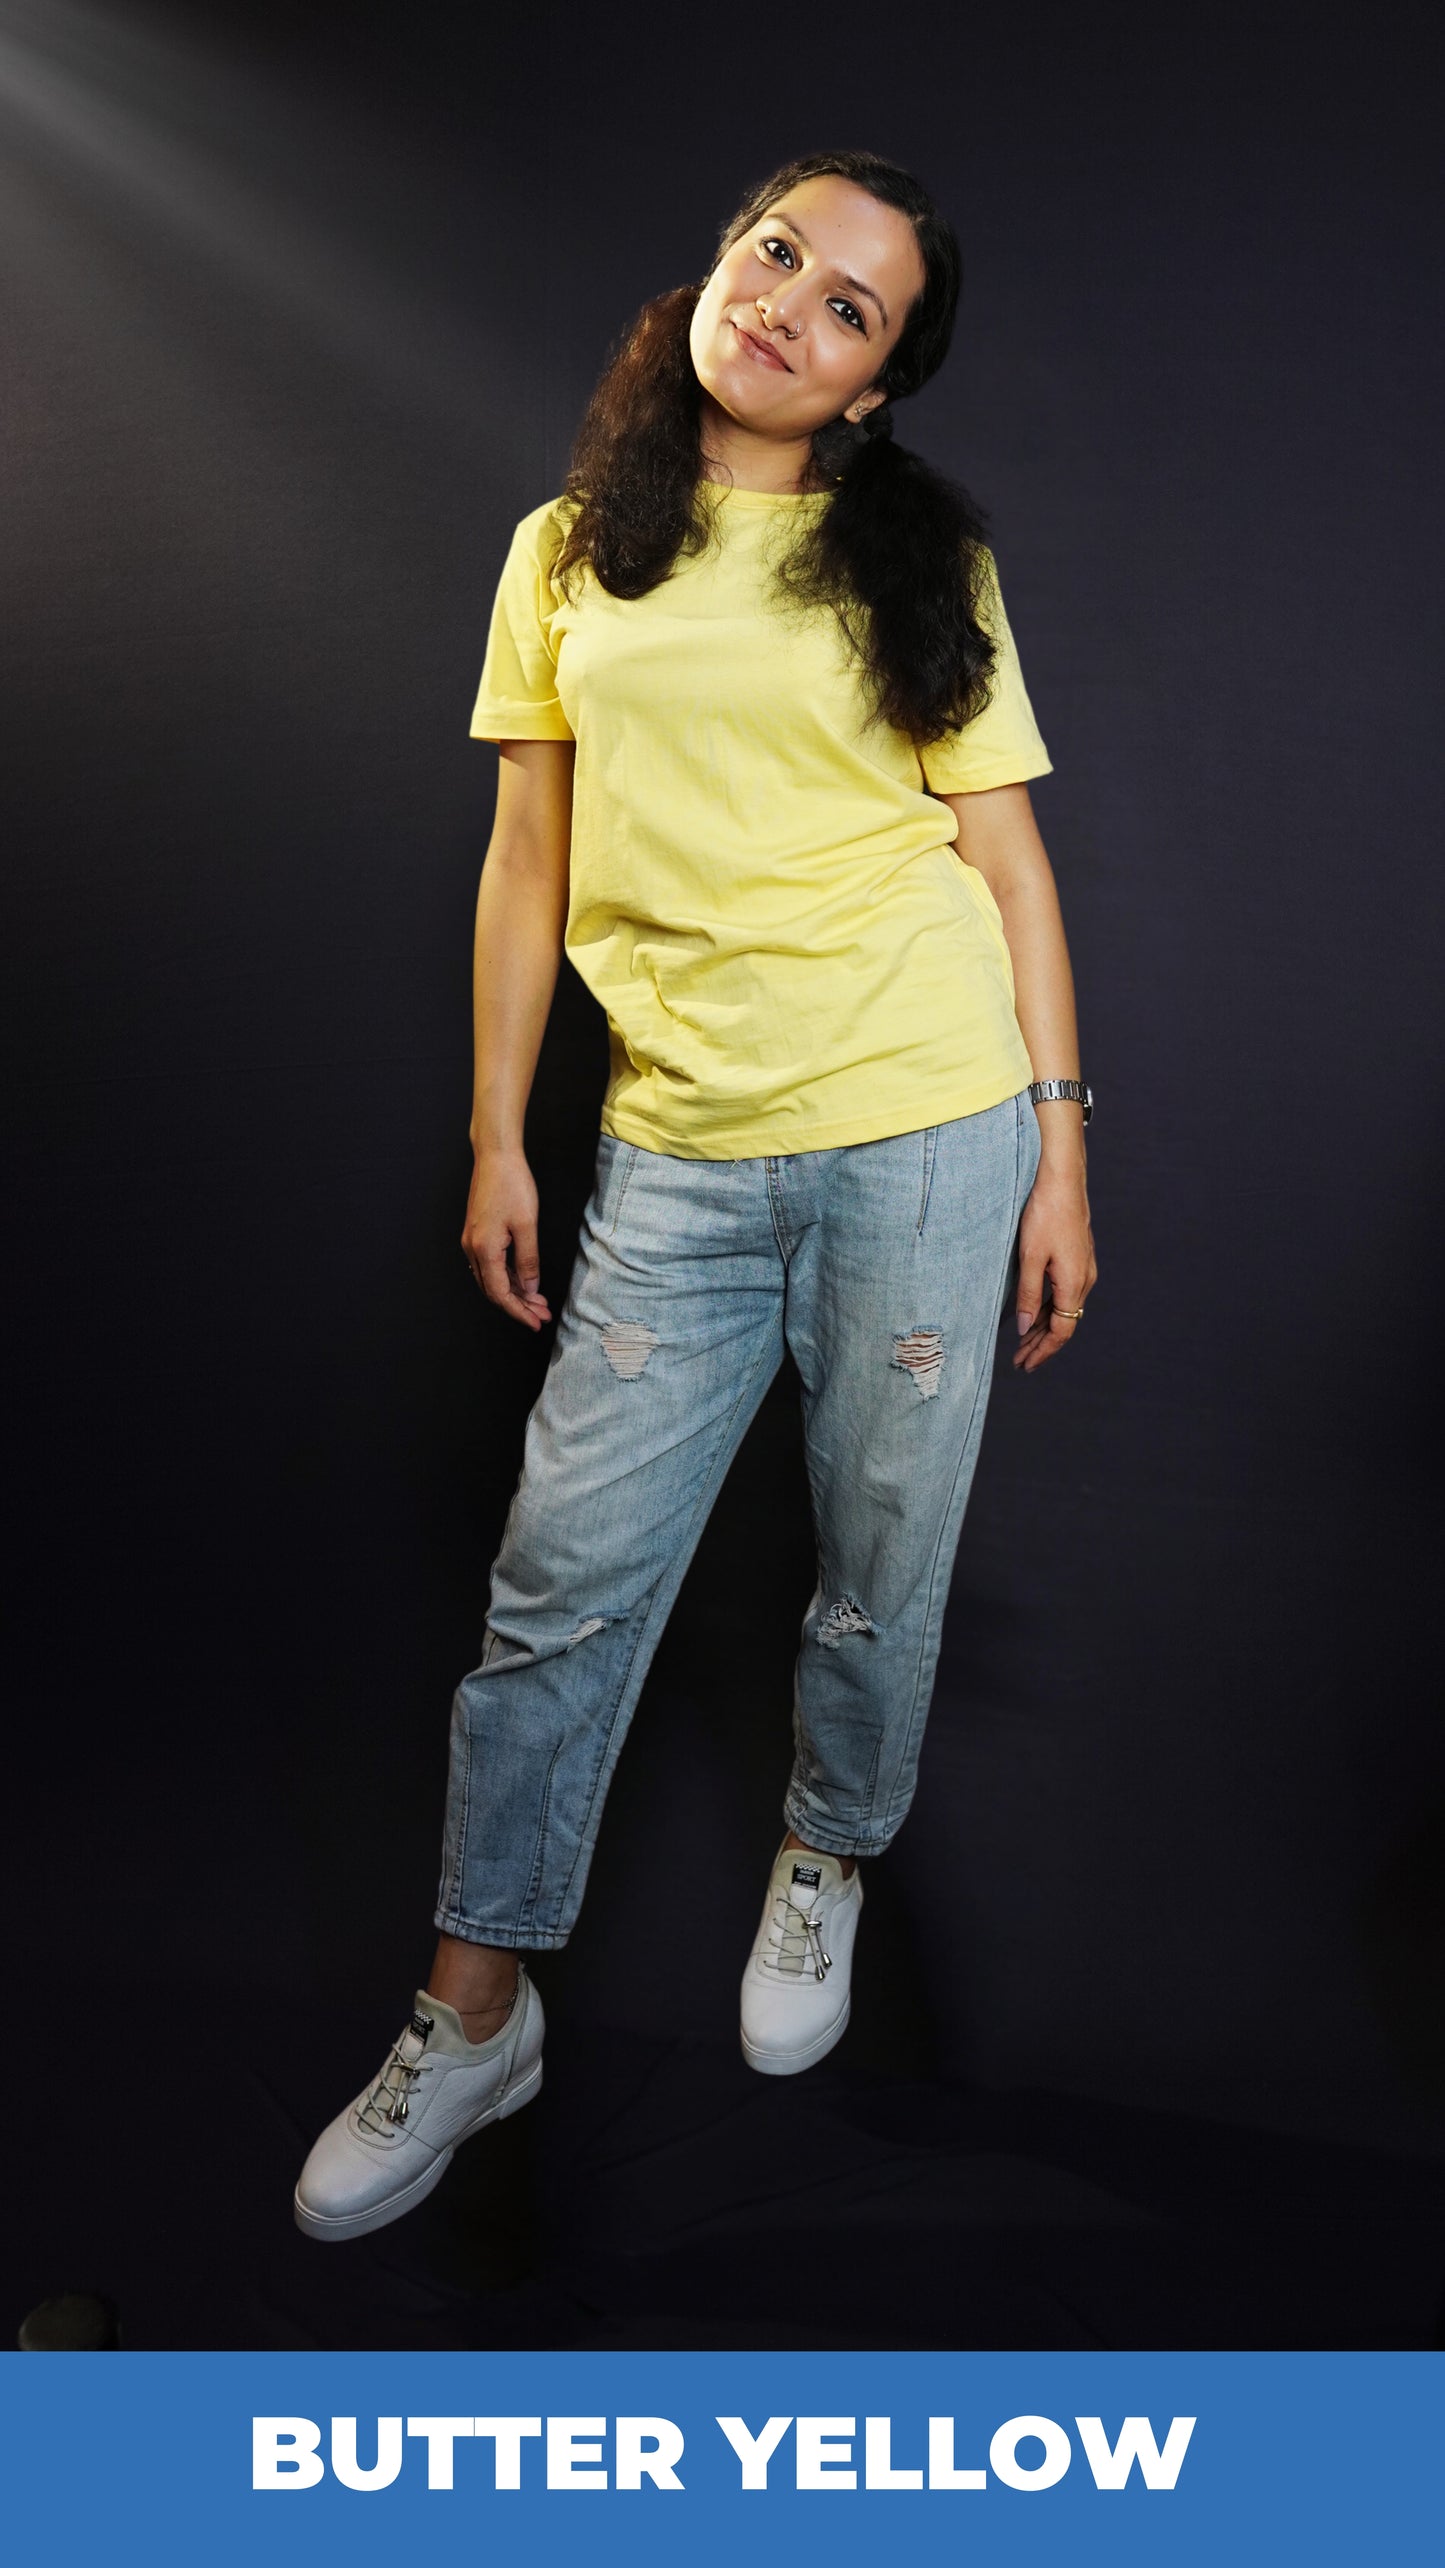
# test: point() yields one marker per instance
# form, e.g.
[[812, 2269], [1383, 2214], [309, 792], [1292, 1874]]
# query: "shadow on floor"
[[660, 2195]]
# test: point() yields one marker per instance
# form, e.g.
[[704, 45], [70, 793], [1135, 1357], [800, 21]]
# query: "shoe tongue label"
[[422, 2026], [808, 1874]]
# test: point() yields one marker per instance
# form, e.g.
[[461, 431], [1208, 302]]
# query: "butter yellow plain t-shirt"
[[765, 895]]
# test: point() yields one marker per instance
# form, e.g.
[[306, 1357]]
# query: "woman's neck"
[[747, 460]]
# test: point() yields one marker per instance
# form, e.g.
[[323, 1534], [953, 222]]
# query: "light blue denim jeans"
[[883, 1267]]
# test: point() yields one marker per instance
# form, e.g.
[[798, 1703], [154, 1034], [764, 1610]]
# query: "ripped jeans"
[[883, 1267]]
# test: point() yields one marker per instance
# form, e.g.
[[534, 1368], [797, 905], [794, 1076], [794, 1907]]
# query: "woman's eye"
[[850, 311]]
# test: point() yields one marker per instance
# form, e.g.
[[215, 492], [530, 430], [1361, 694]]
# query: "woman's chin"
[[740, 400]]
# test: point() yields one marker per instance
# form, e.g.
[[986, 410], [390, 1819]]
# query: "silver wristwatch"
[[1073, 1088]]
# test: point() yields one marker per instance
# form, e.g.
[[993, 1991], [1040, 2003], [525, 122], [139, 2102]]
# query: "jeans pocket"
[[930, 1153], [1030, 1145], [615, 1163]]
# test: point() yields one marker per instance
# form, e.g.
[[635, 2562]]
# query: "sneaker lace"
[[796, 1937], [386, 2105]]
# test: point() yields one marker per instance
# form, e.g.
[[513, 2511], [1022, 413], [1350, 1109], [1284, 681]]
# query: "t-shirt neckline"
[[761, 498]]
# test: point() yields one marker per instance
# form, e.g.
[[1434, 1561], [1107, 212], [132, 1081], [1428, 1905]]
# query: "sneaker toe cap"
[[344, 2175], [778, 2027]]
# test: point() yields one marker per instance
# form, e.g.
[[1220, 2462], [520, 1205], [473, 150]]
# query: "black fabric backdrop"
[[299, 310]]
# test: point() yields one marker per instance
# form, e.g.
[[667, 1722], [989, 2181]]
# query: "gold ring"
[[1057, 1312]]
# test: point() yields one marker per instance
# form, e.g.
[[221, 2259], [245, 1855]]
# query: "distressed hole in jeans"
[[627, 1344], [844, 1615], [921, 1354]]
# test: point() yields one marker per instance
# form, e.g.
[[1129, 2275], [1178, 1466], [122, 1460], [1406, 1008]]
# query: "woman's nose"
[[776, 314]]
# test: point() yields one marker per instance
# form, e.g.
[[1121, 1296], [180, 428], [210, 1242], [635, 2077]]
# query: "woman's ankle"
[[478, 1981], [479, 2023]]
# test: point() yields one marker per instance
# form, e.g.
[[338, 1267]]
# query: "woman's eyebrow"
[[856, 282]]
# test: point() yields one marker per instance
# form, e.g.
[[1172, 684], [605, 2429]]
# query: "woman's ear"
[[865, 402]]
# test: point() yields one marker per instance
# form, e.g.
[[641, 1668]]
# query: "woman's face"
[[800, 315]]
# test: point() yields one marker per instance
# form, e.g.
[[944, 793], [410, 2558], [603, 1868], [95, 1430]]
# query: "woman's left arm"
[[997, 833]]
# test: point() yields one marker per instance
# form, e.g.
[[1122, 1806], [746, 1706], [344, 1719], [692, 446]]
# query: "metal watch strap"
[[1074, 1089]]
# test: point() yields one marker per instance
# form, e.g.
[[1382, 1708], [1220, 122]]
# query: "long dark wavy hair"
[[898, 554]]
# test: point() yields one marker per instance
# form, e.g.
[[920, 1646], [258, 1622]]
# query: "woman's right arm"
[[521, 916]]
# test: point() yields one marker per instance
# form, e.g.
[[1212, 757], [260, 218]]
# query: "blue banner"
[[1016, 2458]]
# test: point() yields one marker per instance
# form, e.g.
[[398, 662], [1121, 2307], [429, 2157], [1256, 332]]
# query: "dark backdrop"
[[300, 308]]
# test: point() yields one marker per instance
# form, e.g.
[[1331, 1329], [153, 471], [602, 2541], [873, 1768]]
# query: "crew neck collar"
[[761, 498]]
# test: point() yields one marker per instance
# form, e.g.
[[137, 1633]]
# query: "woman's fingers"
[[491, 1262], [1035, 1348], [1043, 1343], [526, 1264], [1051, 1330], [499, 1285], [1057, 1334], [1029, 1300], [494, 1265]]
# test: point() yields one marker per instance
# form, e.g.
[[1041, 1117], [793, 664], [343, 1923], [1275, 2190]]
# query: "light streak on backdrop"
[[148, 128], [264, 426]]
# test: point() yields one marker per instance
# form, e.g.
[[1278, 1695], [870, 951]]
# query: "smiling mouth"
[[766, 355]]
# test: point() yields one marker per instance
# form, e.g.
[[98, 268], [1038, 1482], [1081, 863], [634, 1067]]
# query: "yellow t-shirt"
[[765, 895]]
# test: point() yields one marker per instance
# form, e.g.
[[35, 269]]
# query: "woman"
[[764, 751]]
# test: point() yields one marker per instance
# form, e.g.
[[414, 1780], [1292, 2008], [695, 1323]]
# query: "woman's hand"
[[1056, 1250], [499, 1235]]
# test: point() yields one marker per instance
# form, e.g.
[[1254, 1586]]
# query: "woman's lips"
[[758, 349]]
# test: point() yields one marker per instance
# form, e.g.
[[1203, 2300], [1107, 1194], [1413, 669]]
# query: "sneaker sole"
[[355, 2224], [775, 2064]]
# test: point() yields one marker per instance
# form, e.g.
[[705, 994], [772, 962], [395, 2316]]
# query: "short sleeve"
[[517, 698], [1003, 744]]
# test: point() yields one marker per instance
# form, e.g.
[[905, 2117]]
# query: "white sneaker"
[[796, 1985], [396, 2139]]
